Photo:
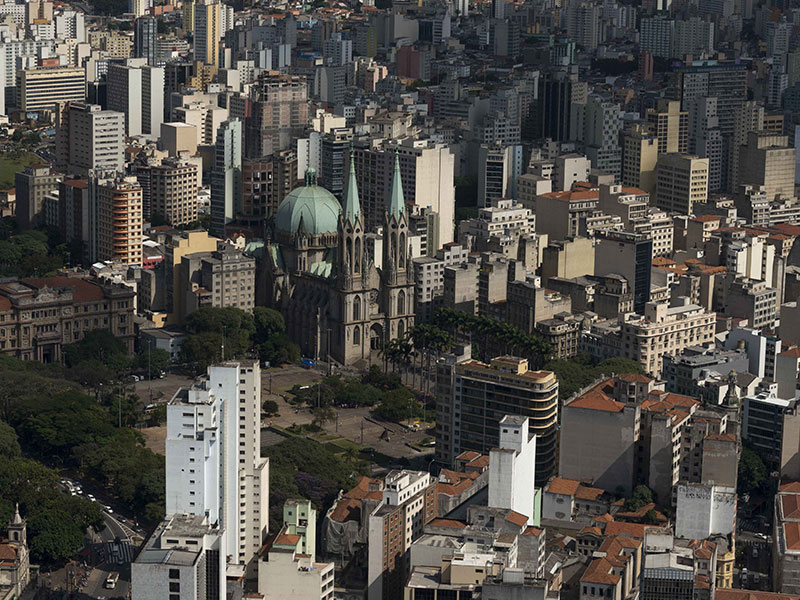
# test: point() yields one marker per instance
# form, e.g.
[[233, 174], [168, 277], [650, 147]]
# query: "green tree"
[[154, 359], [642, 496], [100, 345], [324, 415], [270, 407], [399, 405], [753, 472], [9, 444]]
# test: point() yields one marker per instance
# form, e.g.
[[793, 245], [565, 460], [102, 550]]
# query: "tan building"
[[767, 160], [173, 191], [568, 259], [38, 317], [179, 137], [559, 214], [117, 45], [46, 87], [670, 125], [265, 183], [681, 182], [119, 220], [639, 157], [222, 278]]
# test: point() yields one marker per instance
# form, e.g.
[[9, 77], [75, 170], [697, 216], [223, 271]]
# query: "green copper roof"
[[313, 206], [352, 206], [397, 202]]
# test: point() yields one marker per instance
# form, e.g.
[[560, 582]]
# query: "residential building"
[[279, 114], [681, 182], [767, 160], [179, 137], [786, 538], [119, 219], [66, 308], [285, 571], [184, 556], [44, 88], [222, 278], [173, 191], [75, 218], [32, 184], [639, 158], [559, 214], [407, 504], [214, 465], [300, 518], [93, 139], [753, 300], [137, 90], [512, 468], [499, 167], [265, 183], [226, 176], [705, 510], [670, 125], [212, 19], [464, 422]]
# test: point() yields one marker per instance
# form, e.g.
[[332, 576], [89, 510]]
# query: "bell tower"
[[398, 280], [18, 529]]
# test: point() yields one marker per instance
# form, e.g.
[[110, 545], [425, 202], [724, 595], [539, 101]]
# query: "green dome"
[[314, 205]]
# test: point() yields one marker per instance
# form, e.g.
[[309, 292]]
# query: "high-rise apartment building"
[[639, 157], [226, 176], [212, 20], [408, 503], [118, 205], [706, 139], [265, 183], [466, 421], [767, 160], [670, 125], [681, 182], [214, 465], [334, 147], [137, 90], [44, 88], [90, 139], [32, 185], [145, 38], [224, 278], [279, 114], [173, 191], [601, 129]]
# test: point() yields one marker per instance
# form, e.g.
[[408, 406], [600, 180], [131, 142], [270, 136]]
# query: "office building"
[[145, 36], [226, 176], [212, 20], [408, 503], [80, 306], [602, 125], [214, 465], [90, 139], [498, 169], [465, 422], [681, 182], [767, 160], [44, 88], [185, 557], [670, 125], [32, 184], [173, 191], [118, 204], [178, 137], [627, 254]]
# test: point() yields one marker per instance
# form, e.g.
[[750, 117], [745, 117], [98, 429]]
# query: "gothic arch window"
[[16, 536], [356, 308], [394, 245], [357, 261], [402, 258], [357, 334], [401, 329], [401, 303], [349, 251]]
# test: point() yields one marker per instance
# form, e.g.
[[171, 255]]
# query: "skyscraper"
[[671, 125], [279, 114], [173, 191], [145, 36], [214, 465], [212, 20], [226, 176]]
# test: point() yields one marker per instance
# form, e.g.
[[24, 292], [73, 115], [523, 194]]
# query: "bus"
[[111, 580]]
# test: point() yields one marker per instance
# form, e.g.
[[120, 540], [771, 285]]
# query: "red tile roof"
[[790, 506], [566, 487], [791, 532], [789, 486], [534, 531], [598, 398], [451, 523], [517, 518], [600, 571], [728, 594]]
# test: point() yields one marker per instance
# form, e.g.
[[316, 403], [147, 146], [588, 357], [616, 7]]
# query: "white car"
[[90, 497]]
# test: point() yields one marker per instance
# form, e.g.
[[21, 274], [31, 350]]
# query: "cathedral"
[[321, 272]]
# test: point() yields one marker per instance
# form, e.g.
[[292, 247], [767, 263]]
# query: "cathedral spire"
[[397, 202], [352, 206]]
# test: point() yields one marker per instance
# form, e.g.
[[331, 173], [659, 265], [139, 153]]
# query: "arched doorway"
[[375, 337]]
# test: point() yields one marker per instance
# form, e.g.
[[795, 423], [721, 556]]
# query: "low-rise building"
[[38, 317], [285, 571], [786, 539]]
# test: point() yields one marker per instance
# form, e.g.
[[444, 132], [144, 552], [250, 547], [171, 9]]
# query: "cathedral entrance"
[[375, 337]]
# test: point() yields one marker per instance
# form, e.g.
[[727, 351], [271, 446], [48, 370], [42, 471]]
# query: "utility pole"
[[362, 431], [329, 351], [149, 371]]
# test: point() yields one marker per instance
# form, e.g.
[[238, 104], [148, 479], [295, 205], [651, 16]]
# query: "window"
[[174, 574]]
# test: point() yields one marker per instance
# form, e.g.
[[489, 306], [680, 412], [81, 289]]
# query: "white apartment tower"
[[91, 138], [137, 90], [512, 467], [214, 463]]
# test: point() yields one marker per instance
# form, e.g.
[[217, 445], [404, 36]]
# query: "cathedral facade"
[[320, 272]]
